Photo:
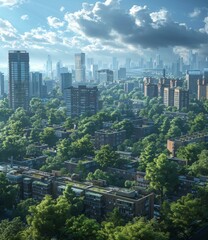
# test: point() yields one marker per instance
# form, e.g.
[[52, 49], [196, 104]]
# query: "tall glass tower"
[[80, 67], [18, 79]]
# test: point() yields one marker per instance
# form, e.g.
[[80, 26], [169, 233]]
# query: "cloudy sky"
[[101, 29]]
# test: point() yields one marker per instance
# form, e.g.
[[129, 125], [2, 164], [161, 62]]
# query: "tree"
[[125, 125], [82, 147], [8, 194], [47, 218], [80, 228], [22, 208], [106, 157], [200, 167], [162, 175], [48, 136], [63, 149], [98, 174], [185, 215], [140, 229], [190, 152], [11, 230], [147, 156]]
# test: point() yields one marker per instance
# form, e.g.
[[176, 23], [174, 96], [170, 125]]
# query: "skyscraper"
[[66, 82], [49, 71], [18, 79], [80, 67], [1, 84], [35, 84]]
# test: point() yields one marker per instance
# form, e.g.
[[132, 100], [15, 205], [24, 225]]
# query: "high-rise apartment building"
[[18, 79], [150, 90], [81, 100], [35, 84], [202, 89], [1, 84], [80, 67], [66, 82], [181, 98], [168, 96], [192, 77]]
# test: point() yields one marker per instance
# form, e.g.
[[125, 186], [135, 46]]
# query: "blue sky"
[[101, 29]]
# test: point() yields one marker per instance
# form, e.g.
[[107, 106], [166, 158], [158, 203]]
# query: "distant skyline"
[[102, 29]]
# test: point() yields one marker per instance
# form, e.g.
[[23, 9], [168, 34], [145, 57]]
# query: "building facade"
[[80, 75], [36, 83], [81, 100], [18, 79], [1, 84]]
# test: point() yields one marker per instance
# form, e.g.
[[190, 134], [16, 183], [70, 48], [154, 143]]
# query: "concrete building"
[[168, 96], [109, 137], [174, 144], [122, 74], [192, 77], [202, 89], [150, 90], [181, 98], [81, 100], [80, 74], [18, 79], [66, 82]]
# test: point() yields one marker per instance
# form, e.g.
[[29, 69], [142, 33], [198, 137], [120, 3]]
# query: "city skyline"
[[102, 29]]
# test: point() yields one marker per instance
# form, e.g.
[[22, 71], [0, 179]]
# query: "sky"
[[102, 29]]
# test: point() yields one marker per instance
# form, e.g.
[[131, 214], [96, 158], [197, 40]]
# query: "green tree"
[[162, 175], [8, 194], [185, 215], [190, 152], [80, 228], [147, 156], [200, 167], [106, 157], [11, 230], [82, 147], [48, 136]]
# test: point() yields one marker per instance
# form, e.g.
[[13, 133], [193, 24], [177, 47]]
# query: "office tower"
[[80, 67], [81, 100], [35, 84], [128, 63], [1, 84], [90, 62], [18, 79], [192, 77], [94, 71], [58, 67], [202, 89], [114, 63], [181, 98], [105, 76], [49, 70], [122, 74], [66, 82]]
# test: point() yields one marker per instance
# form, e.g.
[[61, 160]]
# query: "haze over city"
[[103, 29]]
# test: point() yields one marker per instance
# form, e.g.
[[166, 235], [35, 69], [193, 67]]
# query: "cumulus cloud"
[[25, 17], [196, 12], [62, 8], [11, 3], [7, 31], [138, 27], [54, 22]]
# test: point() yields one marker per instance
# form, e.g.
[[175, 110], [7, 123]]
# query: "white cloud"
[[54, 22], [195, 13], [7, 31], [11, 3], [62, 8], [25, 17]]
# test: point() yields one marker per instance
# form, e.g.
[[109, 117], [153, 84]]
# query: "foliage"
[[162, 175]]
